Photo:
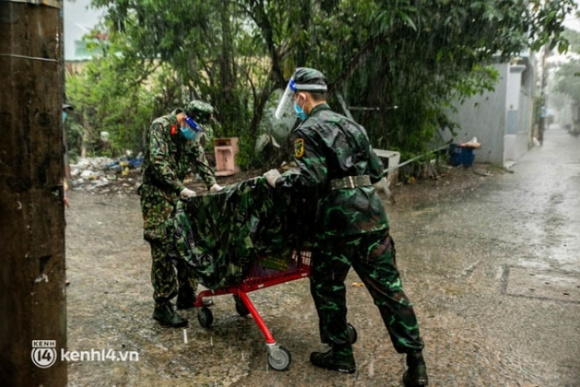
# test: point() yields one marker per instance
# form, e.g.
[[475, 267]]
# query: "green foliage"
[[106, 102], [568, 80], [568, 74], [206, 44], [407, 58], [421, 56], [109, 96]]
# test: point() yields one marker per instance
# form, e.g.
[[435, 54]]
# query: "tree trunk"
[[86, 139]]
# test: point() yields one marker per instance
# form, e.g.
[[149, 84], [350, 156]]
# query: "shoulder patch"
[[299, 148]]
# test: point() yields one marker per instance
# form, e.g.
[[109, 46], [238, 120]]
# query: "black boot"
[[416, 374], [166, 316], [186, 299], [339, 358]]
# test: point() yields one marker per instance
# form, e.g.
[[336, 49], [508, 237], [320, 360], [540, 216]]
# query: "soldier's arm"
[[204, 170], [376, 167], [311, 163], [159, 154]]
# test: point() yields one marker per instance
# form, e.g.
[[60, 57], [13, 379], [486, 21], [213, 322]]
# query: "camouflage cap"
[[309, 79], [200, 111]]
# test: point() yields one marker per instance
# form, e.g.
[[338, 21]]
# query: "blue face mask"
[[302, 116], [188, 133], [63, 116]]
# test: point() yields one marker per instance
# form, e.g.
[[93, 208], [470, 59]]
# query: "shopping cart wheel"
[[205, 317], [240, 307], [279, 358], [352, 335]]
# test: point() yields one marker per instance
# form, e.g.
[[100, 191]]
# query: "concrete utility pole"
[[32, 253]]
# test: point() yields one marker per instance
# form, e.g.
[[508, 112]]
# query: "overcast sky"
[[78, 20], [572, 21]]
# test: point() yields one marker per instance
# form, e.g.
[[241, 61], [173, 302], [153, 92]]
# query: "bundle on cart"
[[245, 238], [221, 234]]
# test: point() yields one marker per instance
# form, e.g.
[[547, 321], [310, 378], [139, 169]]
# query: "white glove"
[[187, 193], [215, 188], [271, 176]]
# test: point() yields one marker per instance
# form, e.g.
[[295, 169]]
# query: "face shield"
[[286, 105]]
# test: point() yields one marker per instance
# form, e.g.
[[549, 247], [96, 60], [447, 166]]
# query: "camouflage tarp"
[[221, 234]]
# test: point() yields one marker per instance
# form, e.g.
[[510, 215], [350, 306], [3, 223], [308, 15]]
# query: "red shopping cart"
[[264, 272]]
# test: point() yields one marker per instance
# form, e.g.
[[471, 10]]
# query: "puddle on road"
[[542, 284]]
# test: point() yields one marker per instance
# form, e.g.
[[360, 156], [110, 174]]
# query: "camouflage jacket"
[[168, 157], [329, 146]]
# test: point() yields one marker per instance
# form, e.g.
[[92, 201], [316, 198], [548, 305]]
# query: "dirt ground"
[[110, 304]]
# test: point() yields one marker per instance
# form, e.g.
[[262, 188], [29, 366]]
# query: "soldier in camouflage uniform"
[[171, 147], [338, 166]]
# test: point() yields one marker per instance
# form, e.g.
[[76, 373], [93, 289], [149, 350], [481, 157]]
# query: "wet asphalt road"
[[502, 268], [494, 274]]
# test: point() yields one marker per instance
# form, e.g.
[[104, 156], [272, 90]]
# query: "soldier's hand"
[[215, 188], [271, 176], [187, 193]]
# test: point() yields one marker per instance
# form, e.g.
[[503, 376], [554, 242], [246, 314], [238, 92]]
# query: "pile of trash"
[[104, 174]]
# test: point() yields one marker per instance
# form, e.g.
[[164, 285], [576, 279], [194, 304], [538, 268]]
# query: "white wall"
[[483, 116], [502, 119]]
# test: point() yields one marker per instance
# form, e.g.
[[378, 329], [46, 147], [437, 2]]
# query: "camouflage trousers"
[[169, 273], [373, 257]]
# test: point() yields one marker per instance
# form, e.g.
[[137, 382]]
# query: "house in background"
[[502, 120]]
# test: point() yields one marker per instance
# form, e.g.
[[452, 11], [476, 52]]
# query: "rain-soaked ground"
[[491, 263]]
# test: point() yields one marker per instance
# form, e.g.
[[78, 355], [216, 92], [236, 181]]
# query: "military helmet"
[[200, 111], [309, 79]]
